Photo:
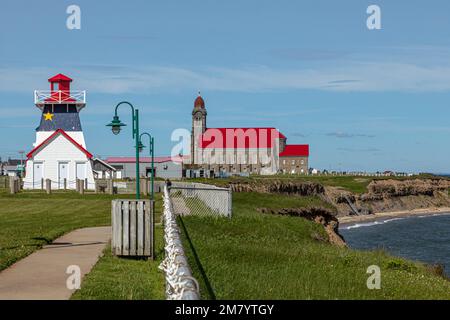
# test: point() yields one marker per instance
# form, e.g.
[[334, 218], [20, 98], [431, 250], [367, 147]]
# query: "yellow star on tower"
[[48, 116]]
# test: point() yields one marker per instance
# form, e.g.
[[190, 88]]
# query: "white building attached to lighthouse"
[[59, 153]]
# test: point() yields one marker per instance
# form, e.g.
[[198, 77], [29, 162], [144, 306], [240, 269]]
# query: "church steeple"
[[198, 126], [199, 102], [199, 113]]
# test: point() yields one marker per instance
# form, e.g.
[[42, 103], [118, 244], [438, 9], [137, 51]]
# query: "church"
[[222, 152], [59, 152]]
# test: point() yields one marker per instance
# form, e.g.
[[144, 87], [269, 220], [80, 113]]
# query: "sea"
[[424, 238]]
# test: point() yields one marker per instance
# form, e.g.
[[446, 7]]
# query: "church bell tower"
[[198, 127]]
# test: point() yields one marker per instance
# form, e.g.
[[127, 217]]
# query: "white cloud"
[[349, 76]]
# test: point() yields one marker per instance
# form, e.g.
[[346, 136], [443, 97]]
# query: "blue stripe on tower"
[[65, 117]]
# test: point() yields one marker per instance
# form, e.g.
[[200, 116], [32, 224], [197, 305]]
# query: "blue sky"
[[363, 100]]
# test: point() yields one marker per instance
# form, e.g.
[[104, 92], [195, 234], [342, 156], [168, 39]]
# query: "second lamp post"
[[152, 154]]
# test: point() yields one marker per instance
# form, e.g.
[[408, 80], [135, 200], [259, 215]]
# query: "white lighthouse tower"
[[59, 153]]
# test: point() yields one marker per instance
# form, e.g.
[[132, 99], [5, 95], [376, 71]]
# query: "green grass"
[[262, 256]]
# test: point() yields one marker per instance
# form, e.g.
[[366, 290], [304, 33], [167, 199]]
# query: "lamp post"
[[152, 153], [116, 125]]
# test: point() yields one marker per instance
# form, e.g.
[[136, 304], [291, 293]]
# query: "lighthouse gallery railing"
[[61, 96]]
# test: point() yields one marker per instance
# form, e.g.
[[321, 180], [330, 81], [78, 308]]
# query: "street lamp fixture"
[[141, 146], [116, 125]]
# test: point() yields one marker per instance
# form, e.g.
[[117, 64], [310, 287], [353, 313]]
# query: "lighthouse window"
[[56, 86]]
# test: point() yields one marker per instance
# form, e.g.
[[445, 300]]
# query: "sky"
[[362, 99]]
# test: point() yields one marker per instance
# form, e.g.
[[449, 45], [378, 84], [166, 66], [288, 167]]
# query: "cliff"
[[391, 195], [301, 188], [382, 195], [323, 216]]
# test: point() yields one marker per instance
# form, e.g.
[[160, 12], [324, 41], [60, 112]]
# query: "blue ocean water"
[[419, 238]]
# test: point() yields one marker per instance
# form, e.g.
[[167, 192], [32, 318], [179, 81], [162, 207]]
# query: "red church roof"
[[295, 150], [51, 138], [59, 77], [239, 138]]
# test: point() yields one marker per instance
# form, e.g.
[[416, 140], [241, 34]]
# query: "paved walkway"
[[42, 275]]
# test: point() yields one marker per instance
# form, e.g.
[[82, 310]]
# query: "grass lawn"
[[31, 219], [262, 256]]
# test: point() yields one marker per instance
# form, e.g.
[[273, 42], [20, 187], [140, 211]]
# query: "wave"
[[370, 224], [434, 215], [378, 222]]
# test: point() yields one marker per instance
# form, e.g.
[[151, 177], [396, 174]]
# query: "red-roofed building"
[[165, 167], [240, 151], [294, 159]]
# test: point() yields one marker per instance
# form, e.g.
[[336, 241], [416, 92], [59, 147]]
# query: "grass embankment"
[[262, 256], [32, 219], [355, 184]]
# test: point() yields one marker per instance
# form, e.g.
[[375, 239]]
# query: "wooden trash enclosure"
[[132, 228]]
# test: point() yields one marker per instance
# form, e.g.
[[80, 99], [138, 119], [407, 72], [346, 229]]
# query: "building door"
[[148, 172], [63, 173], [81, 171], [38, 174]]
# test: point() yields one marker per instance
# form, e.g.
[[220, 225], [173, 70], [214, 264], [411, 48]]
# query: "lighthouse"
[[59, 152]]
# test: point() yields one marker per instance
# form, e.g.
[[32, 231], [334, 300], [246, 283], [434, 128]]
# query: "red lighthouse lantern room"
[[60, 89], [60, 94]]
